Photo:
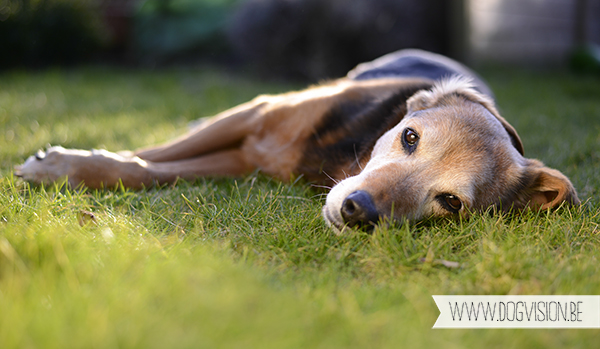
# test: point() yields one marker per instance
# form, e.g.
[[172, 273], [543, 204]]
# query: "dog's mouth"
[[333, 221]]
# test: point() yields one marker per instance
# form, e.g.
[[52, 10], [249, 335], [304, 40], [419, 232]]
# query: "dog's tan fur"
[[465, 149]]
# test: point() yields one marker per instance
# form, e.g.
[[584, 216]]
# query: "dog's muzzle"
[[359, 211]]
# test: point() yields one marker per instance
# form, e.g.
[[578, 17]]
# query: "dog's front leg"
[[95, 169], [103, 169], [230, 163]]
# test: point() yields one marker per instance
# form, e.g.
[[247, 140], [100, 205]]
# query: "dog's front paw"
[[50, 166], [95, 169]]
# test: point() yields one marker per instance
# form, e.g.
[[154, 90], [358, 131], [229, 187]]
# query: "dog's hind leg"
[[224, 131]]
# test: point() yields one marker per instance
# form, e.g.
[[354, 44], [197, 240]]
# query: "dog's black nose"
[[359, 210]]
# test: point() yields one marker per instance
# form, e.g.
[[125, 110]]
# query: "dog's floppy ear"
[[461, 86], [549, 188], [514, 136]]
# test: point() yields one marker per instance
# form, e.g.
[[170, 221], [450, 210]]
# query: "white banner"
[[518, 311]]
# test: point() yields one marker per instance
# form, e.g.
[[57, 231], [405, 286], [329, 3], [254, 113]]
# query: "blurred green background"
[[300, 39]]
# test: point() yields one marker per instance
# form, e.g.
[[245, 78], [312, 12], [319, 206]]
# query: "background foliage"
[[48, 32]]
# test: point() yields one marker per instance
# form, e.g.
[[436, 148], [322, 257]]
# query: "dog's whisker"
[[331, 178], [319, 196], [321, 186], [357, 159]]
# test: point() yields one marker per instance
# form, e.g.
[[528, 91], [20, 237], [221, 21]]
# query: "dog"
[[410, 135]]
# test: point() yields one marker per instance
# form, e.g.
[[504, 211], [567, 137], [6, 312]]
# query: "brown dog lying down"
[[410, 135]]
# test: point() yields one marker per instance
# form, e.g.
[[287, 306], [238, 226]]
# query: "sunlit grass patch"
[[249, 262]]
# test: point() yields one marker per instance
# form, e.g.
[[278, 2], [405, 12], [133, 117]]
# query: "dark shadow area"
[[300, 39]]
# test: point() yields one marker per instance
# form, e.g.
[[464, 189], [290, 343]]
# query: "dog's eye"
[[450, 202], [410, 139]]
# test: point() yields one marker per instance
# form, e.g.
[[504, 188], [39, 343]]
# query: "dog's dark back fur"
[[347, 134]]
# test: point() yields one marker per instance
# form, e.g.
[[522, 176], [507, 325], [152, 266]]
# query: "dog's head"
[[450, 155]]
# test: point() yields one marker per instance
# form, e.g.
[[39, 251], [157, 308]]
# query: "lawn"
[[248, 262]]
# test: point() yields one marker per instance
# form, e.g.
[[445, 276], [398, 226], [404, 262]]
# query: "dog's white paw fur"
[[96, 168], [50, 166]]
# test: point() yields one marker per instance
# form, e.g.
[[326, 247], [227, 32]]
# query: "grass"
[[248, 262]]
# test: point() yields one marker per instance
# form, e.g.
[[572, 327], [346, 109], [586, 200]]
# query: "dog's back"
[[345, 135], [413, 63]]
